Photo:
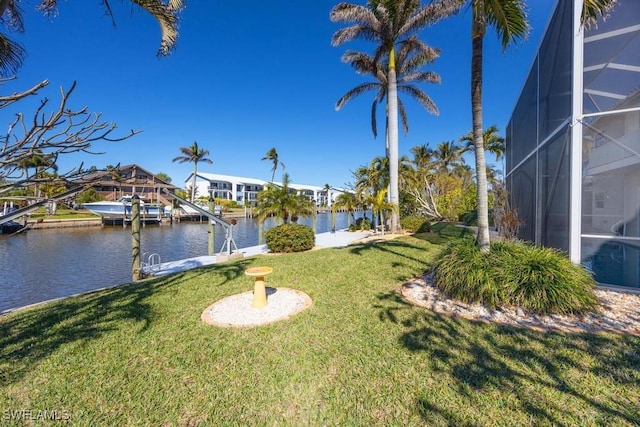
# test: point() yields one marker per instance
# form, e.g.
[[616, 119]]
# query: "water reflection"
[[45, 264]]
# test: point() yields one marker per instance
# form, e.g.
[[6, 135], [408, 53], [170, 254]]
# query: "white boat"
[[189, 211], [121, 208]]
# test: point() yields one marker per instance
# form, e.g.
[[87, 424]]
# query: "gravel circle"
[[236, 310]]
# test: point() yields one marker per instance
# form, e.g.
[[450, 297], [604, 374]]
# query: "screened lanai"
[[573, 143]]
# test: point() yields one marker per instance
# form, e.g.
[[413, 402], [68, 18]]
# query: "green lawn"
[[140, 355], [63, 213]]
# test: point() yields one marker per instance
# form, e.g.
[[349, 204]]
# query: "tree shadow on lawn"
[[388, 246], [528, 367], [30, 335]]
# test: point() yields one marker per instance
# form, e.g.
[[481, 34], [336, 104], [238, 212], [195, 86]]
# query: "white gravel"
[[236, 310], [619, 311]]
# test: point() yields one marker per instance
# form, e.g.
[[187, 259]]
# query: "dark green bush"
[[540, 280], [415, 224], [290, 238], [361, 224]]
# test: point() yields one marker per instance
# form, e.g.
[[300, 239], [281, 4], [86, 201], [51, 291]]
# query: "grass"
[[63, 213], [139, 355]]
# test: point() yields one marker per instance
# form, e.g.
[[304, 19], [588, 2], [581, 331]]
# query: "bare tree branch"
[[10, 99], [48, 135]]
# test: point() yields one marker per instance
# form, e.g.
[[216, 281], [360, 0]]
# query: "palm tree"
[[422, 156], [349, 202], [282, 202], [40, 163], [272, 155], [493, 142], [380, 205], [508, 19], [327, 189], [195, 155], [387, 23], [447, 156], [12, 54], [412, 55]]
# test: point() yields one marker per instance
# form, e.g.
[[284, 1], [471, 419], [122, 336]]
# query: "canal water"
[[50, 263]]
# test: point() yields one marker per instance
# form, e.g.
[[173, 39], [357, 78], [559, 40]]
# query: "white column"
[[575, 204], [234, 191]]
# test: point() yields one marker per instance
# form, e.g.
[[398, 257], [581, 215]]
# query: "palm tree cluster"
[[435, 183], [393, 26], [392, 23]]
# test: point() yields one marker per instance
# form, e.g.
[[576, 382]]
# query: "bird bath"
[[259, 291]]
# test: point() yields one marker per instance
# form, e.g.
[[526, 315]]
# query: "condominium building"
[[245, 190]]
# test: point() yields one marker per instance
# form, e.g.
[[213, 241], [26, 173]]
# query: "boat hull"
[[119, 211]]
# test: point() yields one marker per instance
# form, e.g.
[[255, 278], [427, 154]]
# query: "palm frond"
[[12, 55], [508, 18], [421, 97], [430, 14], [167, 16], [592, 10]]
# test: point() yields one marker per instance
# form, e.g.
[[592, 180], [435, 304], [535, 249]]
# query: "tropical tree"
[[447, 157], [282, 202], [380, 206], [493, 142], [422, 183], [388, 23], [327, 189], [12, 54], [272, 156], [349, 202], [412, 55], [164, 177], [41, 163], [193, 154], [508, 19]]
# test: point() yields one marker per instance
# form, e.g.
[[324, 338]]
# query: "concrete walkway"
[[338, 239]]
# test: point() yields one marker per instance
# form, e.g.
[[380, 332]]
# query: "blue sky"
[[248, 76]]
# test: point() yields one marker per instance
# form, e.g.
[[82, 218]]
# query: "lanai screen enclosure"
[[573, 143]]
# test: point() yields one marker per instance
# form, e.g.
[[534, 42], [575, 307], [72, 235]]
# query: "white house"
[[243, 190]]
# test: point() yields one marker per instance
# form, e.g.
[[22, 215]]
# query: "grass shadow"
[[30, 335], [533, 368]]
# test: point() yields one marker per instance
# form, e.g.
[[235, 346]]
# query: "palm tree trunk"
[[476, 106], [193, 183], [392, 97]]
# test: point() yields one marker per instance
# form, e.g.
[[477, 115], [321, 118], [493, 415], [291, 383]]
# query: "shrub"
[[541, 280], [361, 224], [290, 238], [415, 224]]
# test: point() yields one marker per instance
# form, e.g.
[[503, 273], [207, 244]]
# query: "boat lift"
[[228, 227], [17, 213]]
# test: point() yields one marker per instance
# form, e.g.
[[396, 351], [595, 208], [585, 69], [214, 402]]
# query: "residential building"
[[128, 180], [573, 143], [245, 190]]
